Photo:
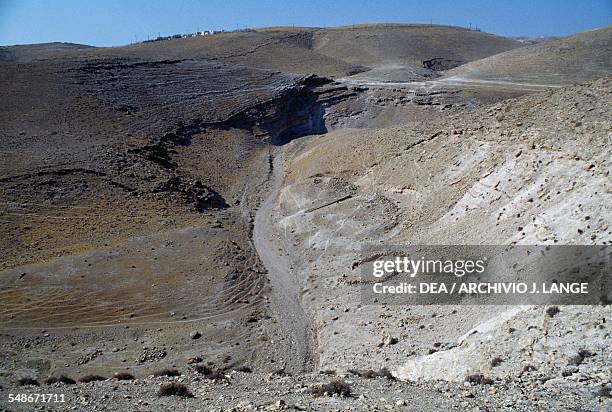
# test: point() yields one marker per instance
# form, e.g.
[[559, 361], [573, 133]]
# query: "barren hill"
[[331, 52], [146, 173], [440, 47], [337, 51], [576, 58], [30, 52]]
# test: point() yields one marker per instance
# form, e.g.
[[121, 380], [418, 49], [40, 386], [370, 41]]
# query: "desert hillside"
[[532, 170], [184, 223], [563, 61], [326, 52], [31, 52], [441, 47]]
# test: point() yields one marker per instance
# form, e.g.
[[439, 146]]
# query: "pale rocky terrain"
[[506, 174]]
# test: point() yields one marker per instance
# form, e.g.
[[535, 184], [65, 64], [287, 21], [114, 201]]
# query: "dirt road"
[[294, 343], [454, 81]]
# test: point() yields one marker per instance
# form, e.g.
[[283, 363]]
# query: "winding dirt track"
[[454, 81], [295, 343]]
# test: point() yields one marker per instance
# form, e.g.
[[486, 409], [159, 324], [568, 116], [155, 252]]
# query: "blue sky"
[[111, 23]]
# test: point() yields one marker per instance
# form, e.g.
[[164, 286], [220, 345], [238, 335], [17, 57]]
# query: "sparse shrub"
[[479, 379], [167, 372], [92, 378], [123, 376], [216, 376], [364, 373], [203, 369], [371, 374], [244, 369], [496, 361], [209, 373], [529, 368], [66, 380], [27, 381], [551, 311], [62, 379], [195, 359], [335, 387], [174, 389]]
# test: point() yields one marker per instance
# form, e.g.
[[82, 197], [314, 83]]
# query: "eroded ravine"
[[294, 341]]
